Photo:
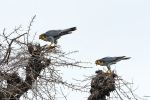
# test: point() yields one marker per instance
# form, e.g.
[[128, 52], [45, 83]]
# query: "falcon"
[[53, 35], [107, 61]]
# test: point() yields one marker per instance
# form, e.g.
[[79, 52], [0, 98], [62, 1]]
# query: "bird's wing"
[[58, 33], [53, 33], [108, 60]]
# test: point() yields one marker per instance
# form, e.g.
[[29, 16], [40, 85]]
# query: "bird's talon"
[[107, 72], [49, 46]]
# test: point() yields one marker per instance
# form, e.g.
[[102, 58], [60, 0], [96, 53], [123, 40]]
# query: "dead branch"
[[38, 65]]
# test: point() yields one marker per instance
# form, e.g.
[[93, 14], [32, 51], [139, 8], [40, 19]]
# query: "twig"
[[63, 94], [29, 27]]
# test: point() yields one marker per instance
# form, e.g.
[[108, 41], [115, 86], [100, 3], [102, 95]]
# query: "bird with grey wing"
[[53, 35], [108, 61]]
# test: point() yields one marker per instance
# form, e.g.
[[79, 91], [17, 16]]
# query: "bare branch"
[[29, 28]]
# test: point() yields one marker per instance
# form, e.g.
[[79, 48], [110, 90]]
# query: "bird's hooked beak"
[[96, 62]]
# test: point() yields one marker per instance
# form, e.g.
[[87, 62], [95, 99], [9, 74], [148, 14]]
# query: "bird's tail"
[[68, 31], [123, 58]]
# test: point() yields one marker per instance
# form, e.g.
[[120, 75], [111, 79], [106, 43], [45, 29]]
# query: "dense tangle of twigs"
[[26, 66]]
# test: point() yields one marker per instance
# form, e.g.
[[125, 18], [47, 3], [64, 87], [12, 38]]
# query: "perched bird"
[[107, 61], [53, 35]]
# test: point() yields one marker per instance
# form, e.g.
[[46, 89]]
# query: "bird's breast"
[[45, 39]]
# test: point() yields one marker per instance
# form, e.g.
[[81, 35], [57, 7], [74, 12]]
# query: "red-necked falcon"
[[53, 35], [107, 61]]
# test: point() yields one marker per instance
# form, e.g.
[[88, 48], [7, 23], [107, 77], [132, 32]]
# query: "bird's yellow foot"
[[49, 46], [107, 72]]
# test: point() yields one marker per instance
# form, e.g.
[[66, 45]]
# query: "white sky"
[[104, 28]]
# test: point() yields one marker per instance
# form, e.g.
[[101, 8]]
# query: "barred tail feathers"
[[68, 31], [126, 58], [123, 58]]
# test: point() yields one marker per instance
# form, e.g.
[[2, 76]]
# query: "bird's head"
[[42, 36], [98, 62]]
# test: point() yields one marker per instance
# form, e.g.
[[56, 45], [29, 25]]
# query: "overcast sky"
[[104, 28]]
